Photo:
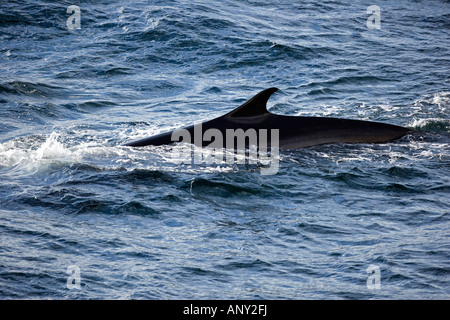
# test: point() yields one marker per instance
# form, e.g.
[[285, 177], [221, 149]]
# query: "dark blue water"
[[136, 225]]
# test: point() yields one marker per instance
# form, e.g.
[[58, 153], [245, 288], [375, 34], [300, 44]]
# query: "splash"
[[40, 154], [431, 125], [29, 158]]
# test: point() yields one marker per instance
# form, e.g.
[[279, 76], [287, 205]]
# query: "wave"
[[439, 100], [87, 205], [347, 80], [40, 90], [431, 125]]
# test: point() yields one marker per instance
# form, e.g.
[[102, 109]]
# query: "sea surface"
[[83, 217]]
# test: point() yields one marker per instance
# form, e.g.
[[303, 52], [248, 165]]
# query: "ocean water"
[[82, 217]]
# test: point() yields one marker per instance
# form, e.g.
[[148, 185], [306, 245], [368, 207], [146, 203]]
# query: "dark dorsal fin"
[[256, 106]]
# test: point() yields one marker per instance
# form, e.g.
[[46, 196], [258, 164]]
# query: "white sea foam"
[[439, 99], [30, 155]]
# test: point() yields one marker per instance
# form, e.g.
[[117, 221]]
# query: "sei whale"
[[292, 131]]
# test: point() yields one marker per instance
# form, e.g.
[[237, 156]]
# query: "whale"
[[292, 132]]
